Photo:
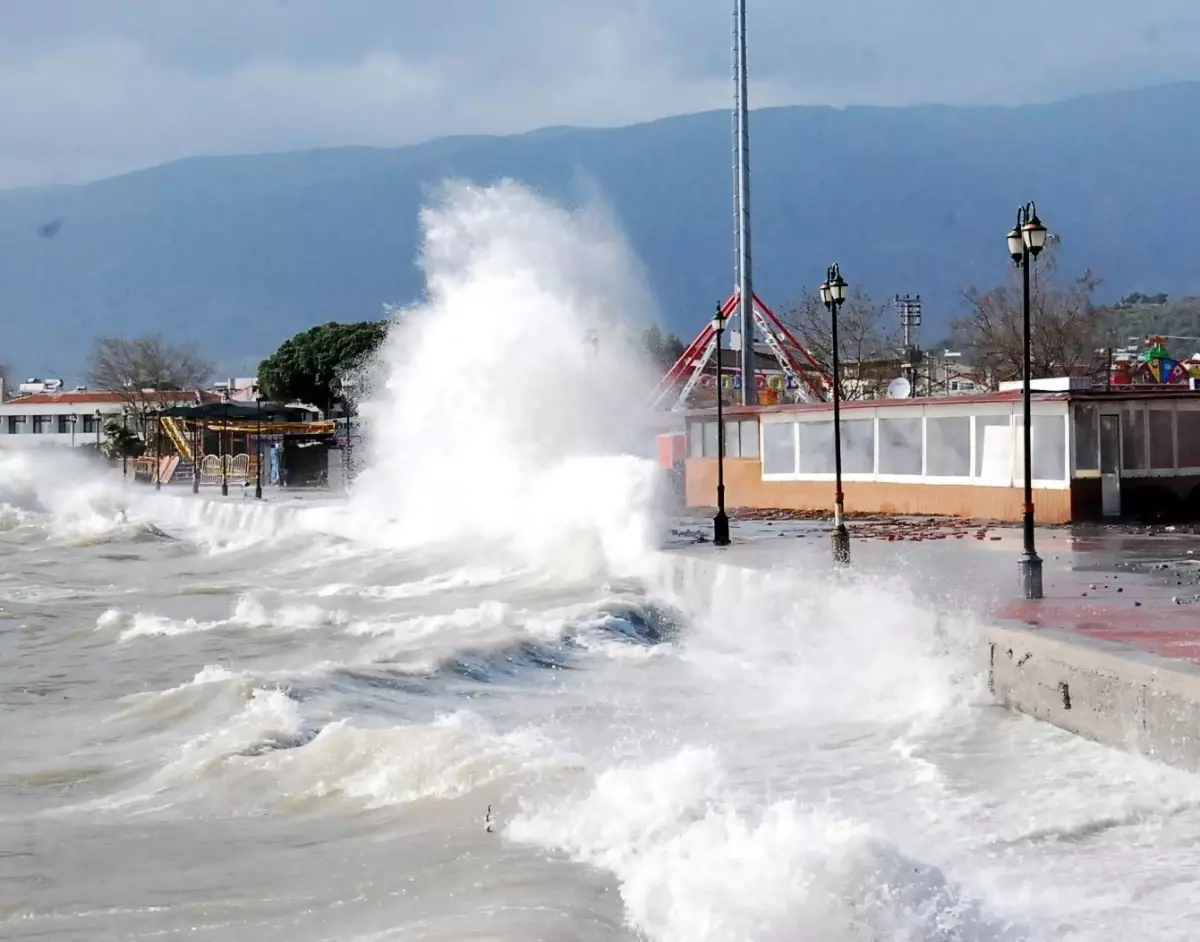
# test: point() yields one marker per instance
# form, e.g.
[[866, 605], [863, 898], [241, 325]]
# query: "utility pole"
[[909, 308]]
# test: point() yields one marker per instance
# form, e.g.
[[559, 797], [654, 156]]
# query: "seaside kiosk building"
[[1096, 452]]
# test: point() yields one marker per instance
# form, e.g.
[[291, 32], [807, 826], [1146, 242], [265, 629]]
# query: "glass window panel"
[[1087, 436], [1133, 438], [732, 442], [1187, 429], [1049, 448], [1049, 443], [696, 440], [900, 446], [948, 446], [779, 447], [749, 438], [993, 449], [1160, 424], [816, 447], [710, 439], [858, 446]]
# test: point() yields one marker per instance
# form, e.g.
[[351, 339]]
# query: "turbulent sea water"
[[468, 702]]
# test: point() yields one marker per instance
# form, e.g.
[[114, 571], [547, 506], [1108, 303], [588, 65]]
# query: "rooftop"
[[1116, 393], [90, 398]]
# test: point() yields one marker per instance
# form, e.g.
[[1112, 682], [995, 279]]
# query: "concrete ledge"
[[1108, 691]]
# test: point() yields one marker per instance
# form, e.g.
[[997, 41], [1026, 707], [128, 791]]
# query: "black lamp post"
[[221, 440], [833, 295], [96, 419], [1025, 242], [348, 387], [124, 443], [74, 422], [198, 430], [158, 443], [258, 444], [720, 521]]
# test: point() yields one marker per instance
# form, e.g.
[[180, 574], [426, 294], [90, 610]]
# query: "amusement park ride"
[[803, 377], [1154, 367]]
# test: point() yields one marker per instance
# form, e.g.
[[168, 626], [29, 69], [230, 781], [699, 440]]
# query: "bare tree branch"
[[137, 370], [866, 347], [1066, 329]]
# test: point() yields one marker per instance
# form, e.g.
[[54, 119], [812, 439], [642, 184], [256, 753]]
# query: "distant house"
[[43, 414]]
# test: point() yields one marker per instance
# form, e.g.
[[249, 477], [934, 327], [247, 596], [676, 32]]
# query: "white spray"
[[506, 409]]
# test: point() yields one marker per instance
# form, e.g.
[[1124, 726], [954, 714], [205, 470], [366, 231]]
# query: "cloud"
[[88, 89]]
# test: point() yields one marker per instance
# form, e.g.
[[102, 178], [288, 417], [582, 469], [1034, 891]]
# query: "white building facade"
[[70, 419]]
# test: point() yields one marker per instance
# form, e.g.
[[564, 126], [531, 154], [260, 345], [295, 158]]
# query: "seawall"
[[1107, 655]]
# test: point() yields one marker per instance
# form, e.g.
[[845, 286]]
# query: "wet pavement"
[[1138, 585]]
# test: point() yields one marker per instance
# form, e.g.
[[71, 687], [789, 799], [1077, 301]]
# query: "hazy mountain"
[[240, 252]]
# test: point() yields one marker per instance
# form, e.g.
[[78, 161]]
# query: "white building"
[[43, 414]]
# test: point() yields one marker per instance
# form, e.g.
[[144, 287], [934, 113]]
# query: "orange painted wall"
[[744, 487]]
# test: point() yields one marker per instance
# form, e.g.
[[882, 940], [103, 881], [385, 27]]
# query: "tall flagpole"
[[745, 283]]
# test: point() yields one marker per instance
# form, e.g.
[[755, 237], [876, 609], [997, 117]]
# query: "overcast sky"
[[94, 87]]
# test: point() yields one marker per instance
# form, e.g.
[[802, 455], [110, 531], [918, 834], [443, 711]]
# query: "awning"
[[235, 412]]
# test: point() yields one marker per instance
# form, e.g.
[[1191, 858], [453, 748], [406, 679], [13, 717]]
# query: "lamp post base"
[[841, 544], [1030, 569], [258, 492], [224, 489], [720, 529]]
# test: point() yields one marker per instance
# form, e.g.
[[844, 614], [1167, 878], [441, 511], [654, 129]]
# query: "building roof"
[[1115, 394], [233, 410], [102, 398]]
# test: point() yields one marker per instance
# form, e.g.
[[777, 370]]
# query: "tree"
[[664, 349], [309, 367], [120, 441], [867, 347], [138, 370], [1066, 329]]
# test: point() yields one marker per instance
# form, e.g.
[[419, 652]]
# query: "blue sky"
[[94, 87]]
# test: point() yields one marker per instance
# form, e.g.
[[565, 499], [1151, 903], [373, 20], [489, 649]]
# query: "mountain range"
[[240, 252]]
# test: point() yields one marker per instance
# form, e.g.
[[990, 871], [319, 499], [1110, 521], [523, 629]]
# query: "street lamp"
[[124, 443], [221, 440], [720, 521], [74, 422], [1025, 242], [198, 431], [348, 387], [833, 295], [158, 448], [97, 421], [258, 443]]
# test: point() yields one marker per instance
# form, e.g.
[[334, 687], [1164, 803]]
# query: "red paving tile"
[[1144, 615]]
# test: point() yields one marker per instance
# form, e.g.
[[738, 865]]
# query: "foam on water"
[[698, 865]]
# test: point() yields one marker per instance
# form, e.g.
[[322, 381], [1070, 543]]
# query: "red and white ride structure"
[[805, 378]]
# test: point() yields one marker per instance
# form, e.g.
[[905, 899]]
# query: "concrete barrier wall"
[[1111, 693]]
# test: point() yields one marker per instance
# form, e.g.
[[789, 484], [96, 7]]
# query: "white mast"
[[745, 284]]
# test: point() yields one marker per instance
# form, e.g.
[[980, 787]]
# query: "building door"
[[1110, 465]]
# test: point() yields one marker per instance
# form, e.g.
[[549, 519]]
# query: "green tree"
[[119, 440], [309, 366], [664, 349]]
